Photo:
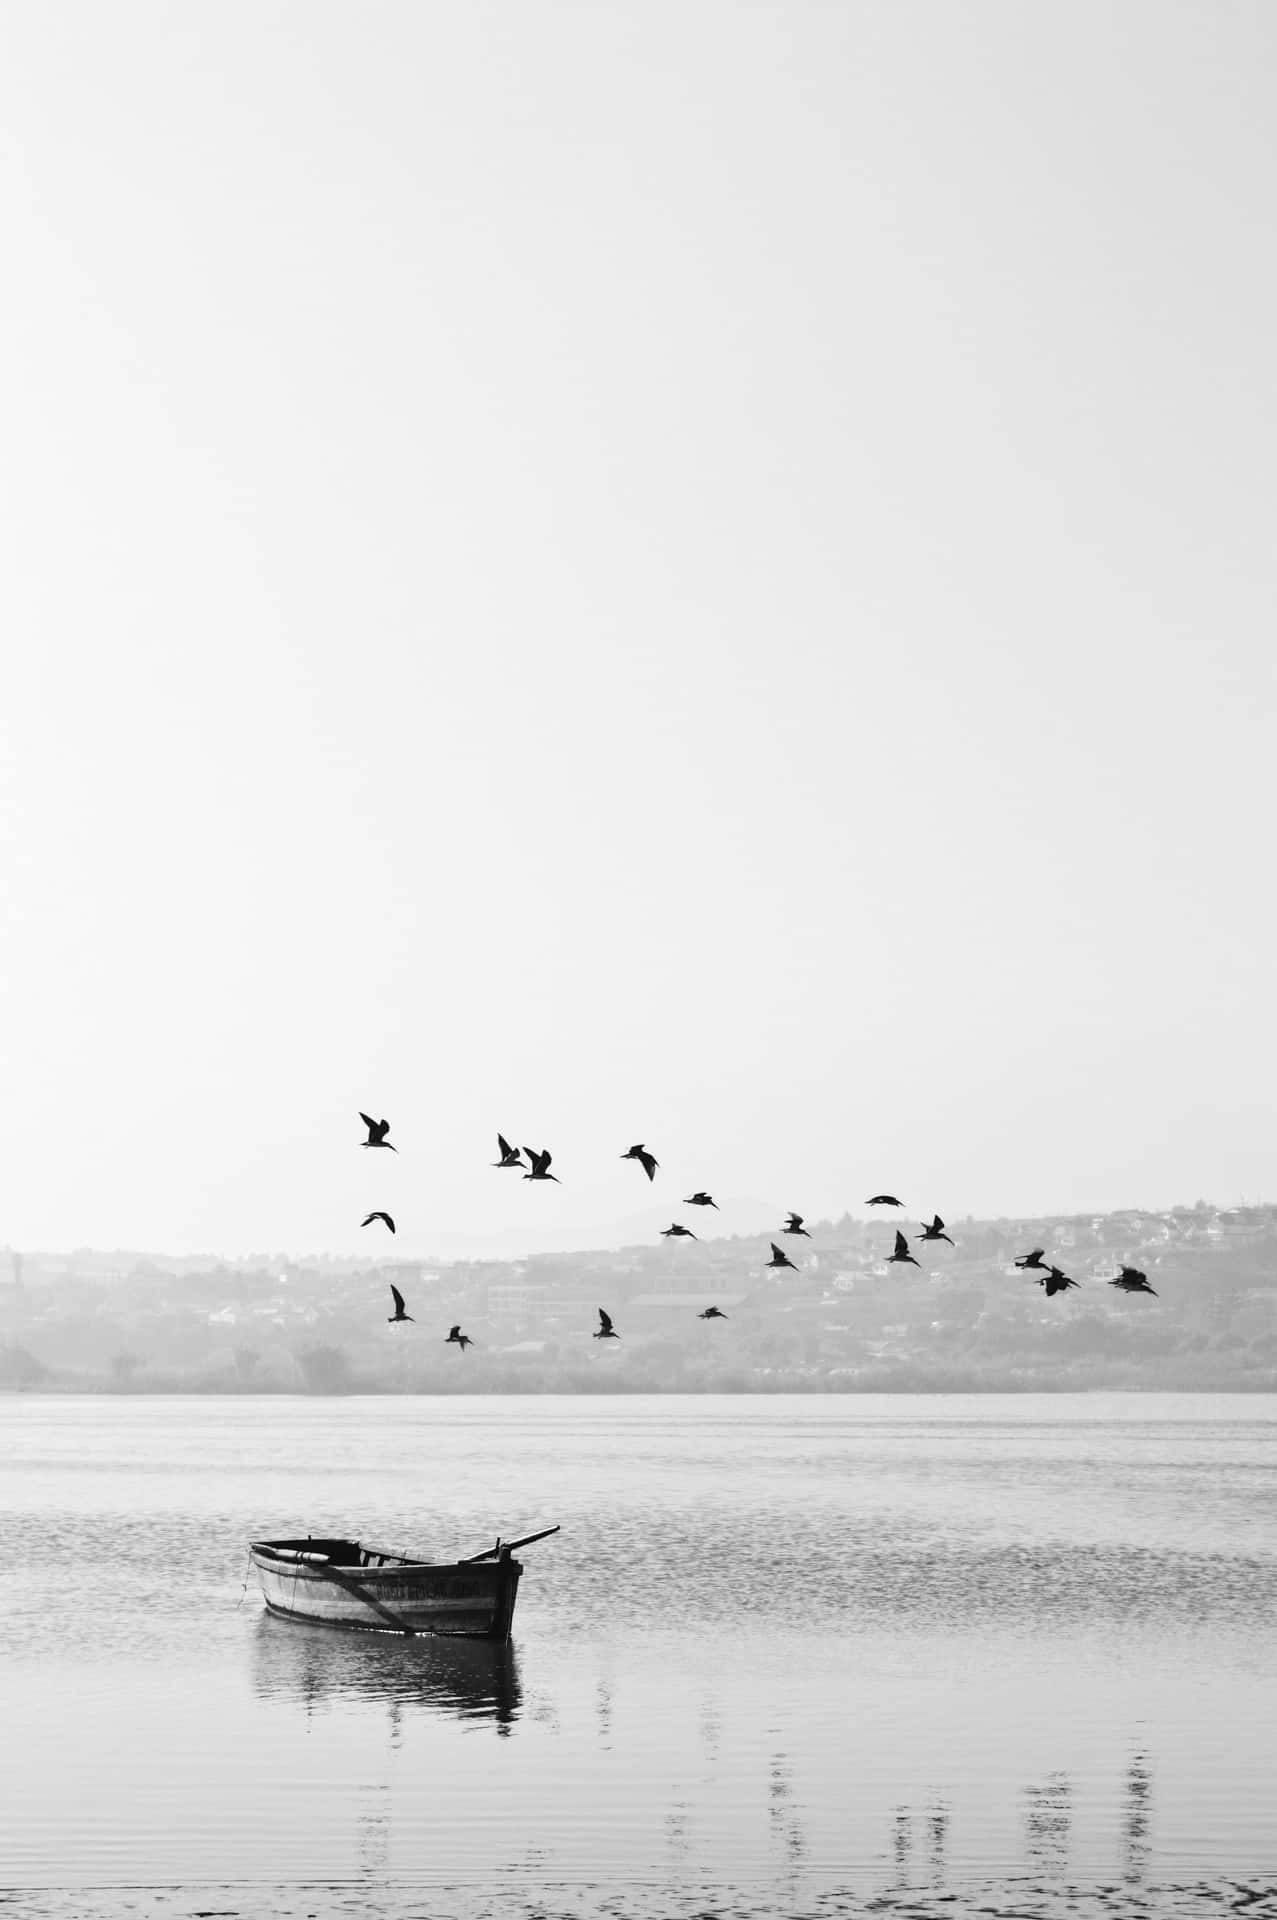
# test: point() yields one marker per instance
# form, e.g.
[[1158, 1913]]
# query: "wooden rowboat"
[[344, 1583]]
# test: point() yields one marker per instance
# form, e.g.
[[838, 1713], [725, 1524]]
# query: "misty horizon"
[[741, 1219], [842, 1318]]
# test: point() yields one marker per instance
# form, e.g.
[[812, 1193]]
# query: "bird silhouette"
[[377, 1131], [539, 1163], [458, 1339], [510, 1156], [378, 1216], [1055, 1282], [794, 1224], [700, 1199], [648, 1161], [398, 1313], [902, 1251], [884, 1200], [1030, 1261], [936, 1231], [675, 1231], [606, 1331], [711, 1313], [779, 1257], [1131, 1280]]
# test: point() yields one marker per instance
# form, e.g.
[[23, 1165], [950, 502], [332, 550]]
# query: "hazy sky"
[[696, 573]]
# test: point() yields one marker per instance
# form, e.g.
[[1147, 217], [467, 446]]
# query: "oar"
[[512, 1546], [489, 1553], [361, 1593], [499, 1552]]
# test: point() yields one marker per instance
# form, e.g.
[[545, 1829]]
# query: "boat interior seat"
[[340, 1552]]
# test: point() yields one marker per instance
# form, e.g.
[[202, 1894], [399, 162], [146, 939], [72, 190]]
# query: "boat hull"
[[382, 1593]]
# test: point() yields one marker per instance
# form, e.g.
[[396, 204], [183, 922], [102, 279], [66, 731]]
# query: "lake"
[[818, 1654]]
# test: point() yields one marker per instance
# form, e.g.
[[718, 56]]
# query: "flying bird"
[[1029, 1261], [675, 1231], [936, 1231], [510, 1156], [884, 1200], [458, 1339], [902, 1250], [1131, 1280], [378, 1216], [648, 1161], [779, 1257], [398, 1313], [711, 1313], [539, 1163], [606, 1331], [1056, 1282], [794, 1224], [377, 1131], [700, 1199]]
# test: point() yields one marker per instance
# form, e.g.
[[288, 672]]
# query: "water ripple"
[[909, 1657]]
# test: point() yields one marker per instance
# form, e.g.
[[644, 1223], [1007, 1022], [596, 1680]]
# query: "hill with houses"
[[845, 1321]]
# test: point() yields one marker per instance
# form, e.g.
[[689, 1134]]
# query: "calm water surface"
[[787, 1655]]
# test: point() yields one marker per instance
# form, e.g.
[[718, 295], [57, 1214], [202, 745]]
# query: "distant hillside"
[[845, 1321]]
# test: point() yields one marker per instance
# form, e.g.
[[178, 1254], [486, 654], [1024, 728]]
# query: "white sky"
[[697, 573]]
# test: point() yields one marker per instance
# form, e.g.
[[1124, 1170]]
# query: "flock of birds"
[[1129, 1280]]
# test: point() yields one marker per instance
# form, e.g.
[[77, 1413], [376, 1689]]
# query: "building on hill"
[[542, 1303]]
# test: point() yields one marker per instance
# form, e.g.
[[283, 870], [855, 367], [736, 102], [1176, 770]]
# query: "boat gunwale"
[[293, 1560]]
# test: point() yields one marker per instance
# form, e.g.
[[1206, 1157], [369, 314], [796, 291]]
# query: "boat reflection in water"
[[473, 1679]]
